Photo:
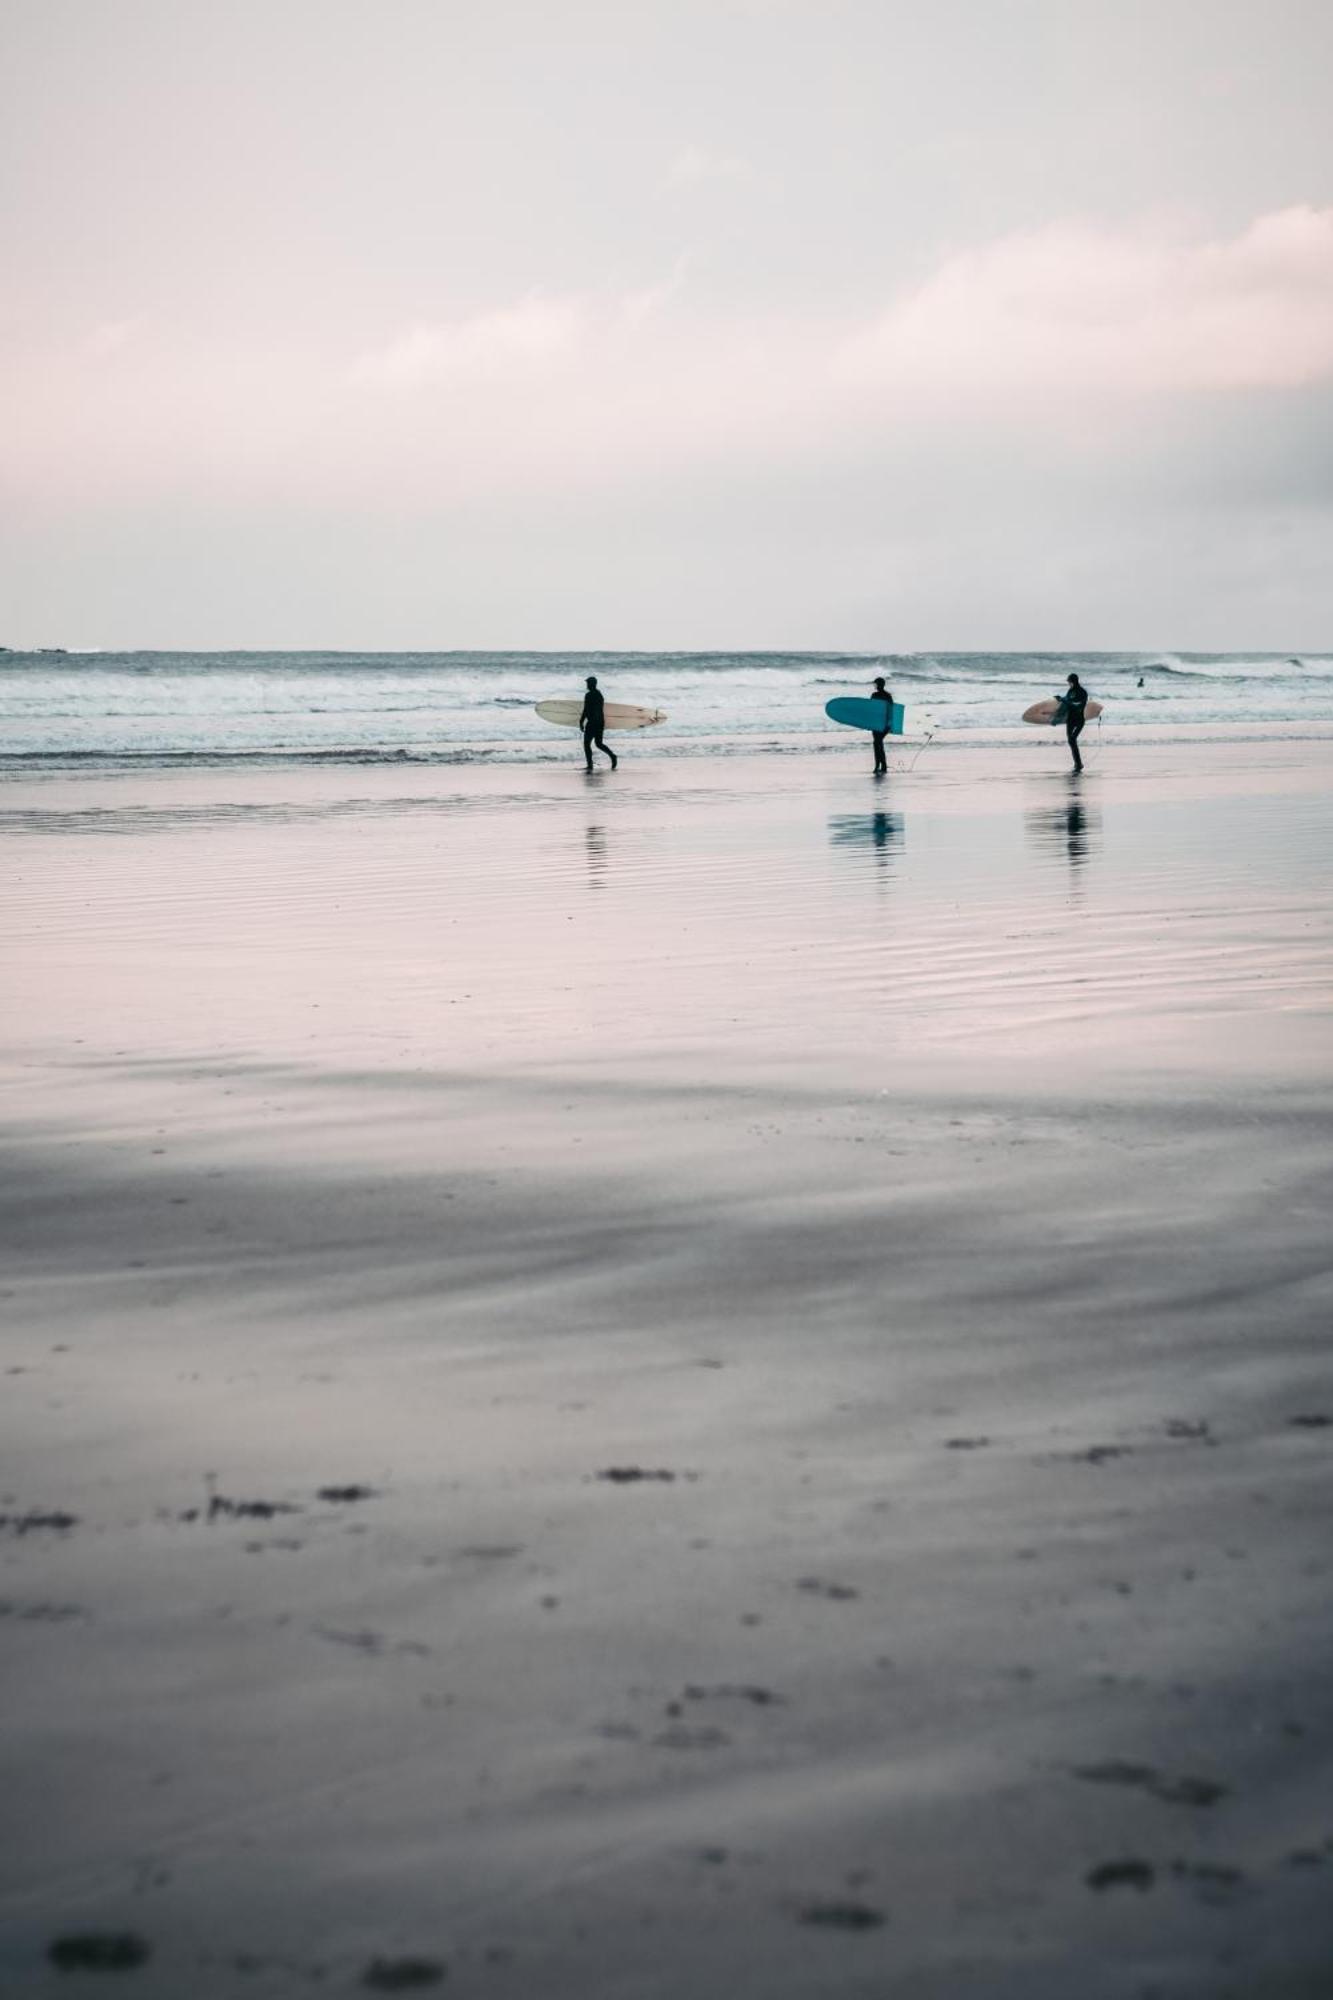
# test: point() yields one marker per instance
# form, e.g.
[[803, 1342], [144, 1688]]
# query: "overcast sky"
[[884, 324]]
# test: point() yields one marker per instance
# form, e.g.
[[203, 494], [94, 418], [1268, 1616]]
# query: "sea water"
[[60, 708]]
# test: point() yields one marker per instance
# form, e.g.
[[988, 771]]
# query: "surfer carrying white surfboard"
[[880, 693], [593, 721], [1075, 703]]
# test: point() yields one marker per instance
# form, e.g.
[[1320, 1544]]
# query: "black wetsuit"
[[594, 723], [881, 761], [1075, 702]]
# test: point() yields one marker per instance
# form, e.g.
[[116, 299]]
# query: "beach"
[[711, 1380]]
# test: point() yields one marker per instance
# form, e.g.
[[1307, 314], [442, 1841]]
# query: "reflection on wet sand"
[[883, 831], [1073, 829], [594, 839]]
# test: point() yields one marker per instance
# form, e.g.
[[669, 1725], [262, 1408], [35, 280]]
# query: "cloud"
[[521, 339], [512, 344], [1095, 344], [695, 165], [1074, 309], [634, 309], [113, 336]]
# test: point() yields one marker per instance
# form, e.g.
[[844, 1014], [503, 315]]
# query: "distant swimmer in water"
[[880, 693], [1140, 680], [593, 721], [1074, 705]]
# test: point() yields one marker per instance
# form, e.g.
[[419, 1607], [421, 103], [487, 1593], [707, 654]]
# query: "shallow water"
[[755, 913], [470, 707]]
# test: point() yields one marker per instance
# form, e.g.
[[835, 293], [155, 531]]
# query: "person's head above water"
[[591, 681]]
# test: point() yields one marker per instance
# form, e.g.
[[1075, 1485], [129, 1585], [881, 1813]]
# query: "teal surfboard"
[[857, 712]]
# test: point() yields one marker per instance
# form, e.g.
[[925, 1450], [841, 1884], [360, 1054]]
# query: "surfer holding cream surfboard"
[[1073, 708], [593, 715], [1076, 702]]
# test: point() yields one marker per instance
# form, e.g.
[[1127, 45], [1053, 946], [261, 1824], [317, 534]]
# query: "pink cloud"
[[1074, 308], [497, 344], [1082, 330]]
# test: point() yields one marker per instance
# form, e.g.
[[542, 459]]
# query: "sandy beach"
[[699, 1383]]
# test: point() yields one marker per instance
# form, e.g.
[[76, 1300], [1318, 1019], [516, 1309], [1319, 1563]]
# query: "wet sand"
[[711, 1381]]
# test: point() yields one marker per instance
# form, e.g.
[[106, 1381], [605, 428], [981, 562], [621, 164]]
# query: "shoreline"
[[658, 747]]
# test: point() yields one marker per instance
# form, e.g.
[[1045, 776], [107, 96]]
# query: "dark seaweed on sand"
[[54, 1522], [219, 1506], [627, 1475], [98, 1951], [1173, 1791], [842, 1917], [1127, 1874], [400, 1975]]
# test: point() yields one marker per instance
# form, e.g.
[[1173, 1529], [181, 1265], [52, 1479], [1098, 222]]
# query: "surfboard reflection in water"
[[594, 838], [882, 831], [1073, 830]]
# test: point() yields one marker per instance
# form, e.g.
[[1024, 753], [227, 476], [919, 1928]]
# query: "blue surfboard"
[[859, 712]]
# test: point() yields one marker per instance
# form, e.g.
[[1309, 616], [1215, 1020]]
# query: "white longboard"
[[619, 714]]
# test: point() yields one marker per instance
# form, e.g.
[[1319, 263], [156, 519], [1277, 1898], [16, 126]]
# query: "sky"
[[872, 324]]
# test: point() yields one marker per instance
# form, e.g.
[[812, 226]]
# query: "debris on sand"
[[221, 1508], [98, 1951], [1178, 1791], [1127, 1874], [401, 1975], [628, 1475], [842, 1917], [35, 1521]]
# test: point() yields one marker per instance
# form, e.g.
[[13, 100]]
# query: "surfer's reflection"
[[594, 845], [882, 831], [1073, 828]]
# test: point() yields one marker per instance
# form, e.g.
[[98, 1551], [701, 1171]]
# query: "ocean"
[[60, 709]]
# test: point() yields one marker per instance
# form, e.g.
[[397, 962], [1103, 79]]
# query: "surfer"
[[593, 721], [1073, 705], [880, 693]]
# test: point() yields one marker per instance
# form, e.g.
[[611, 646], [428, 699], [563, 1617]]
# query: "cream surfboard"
[[619, 714], [1053, 711]]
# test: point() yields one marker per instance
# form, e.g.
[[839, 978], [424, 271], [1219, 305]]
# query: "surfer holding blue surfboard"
[[880, 693], [880, 714]]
